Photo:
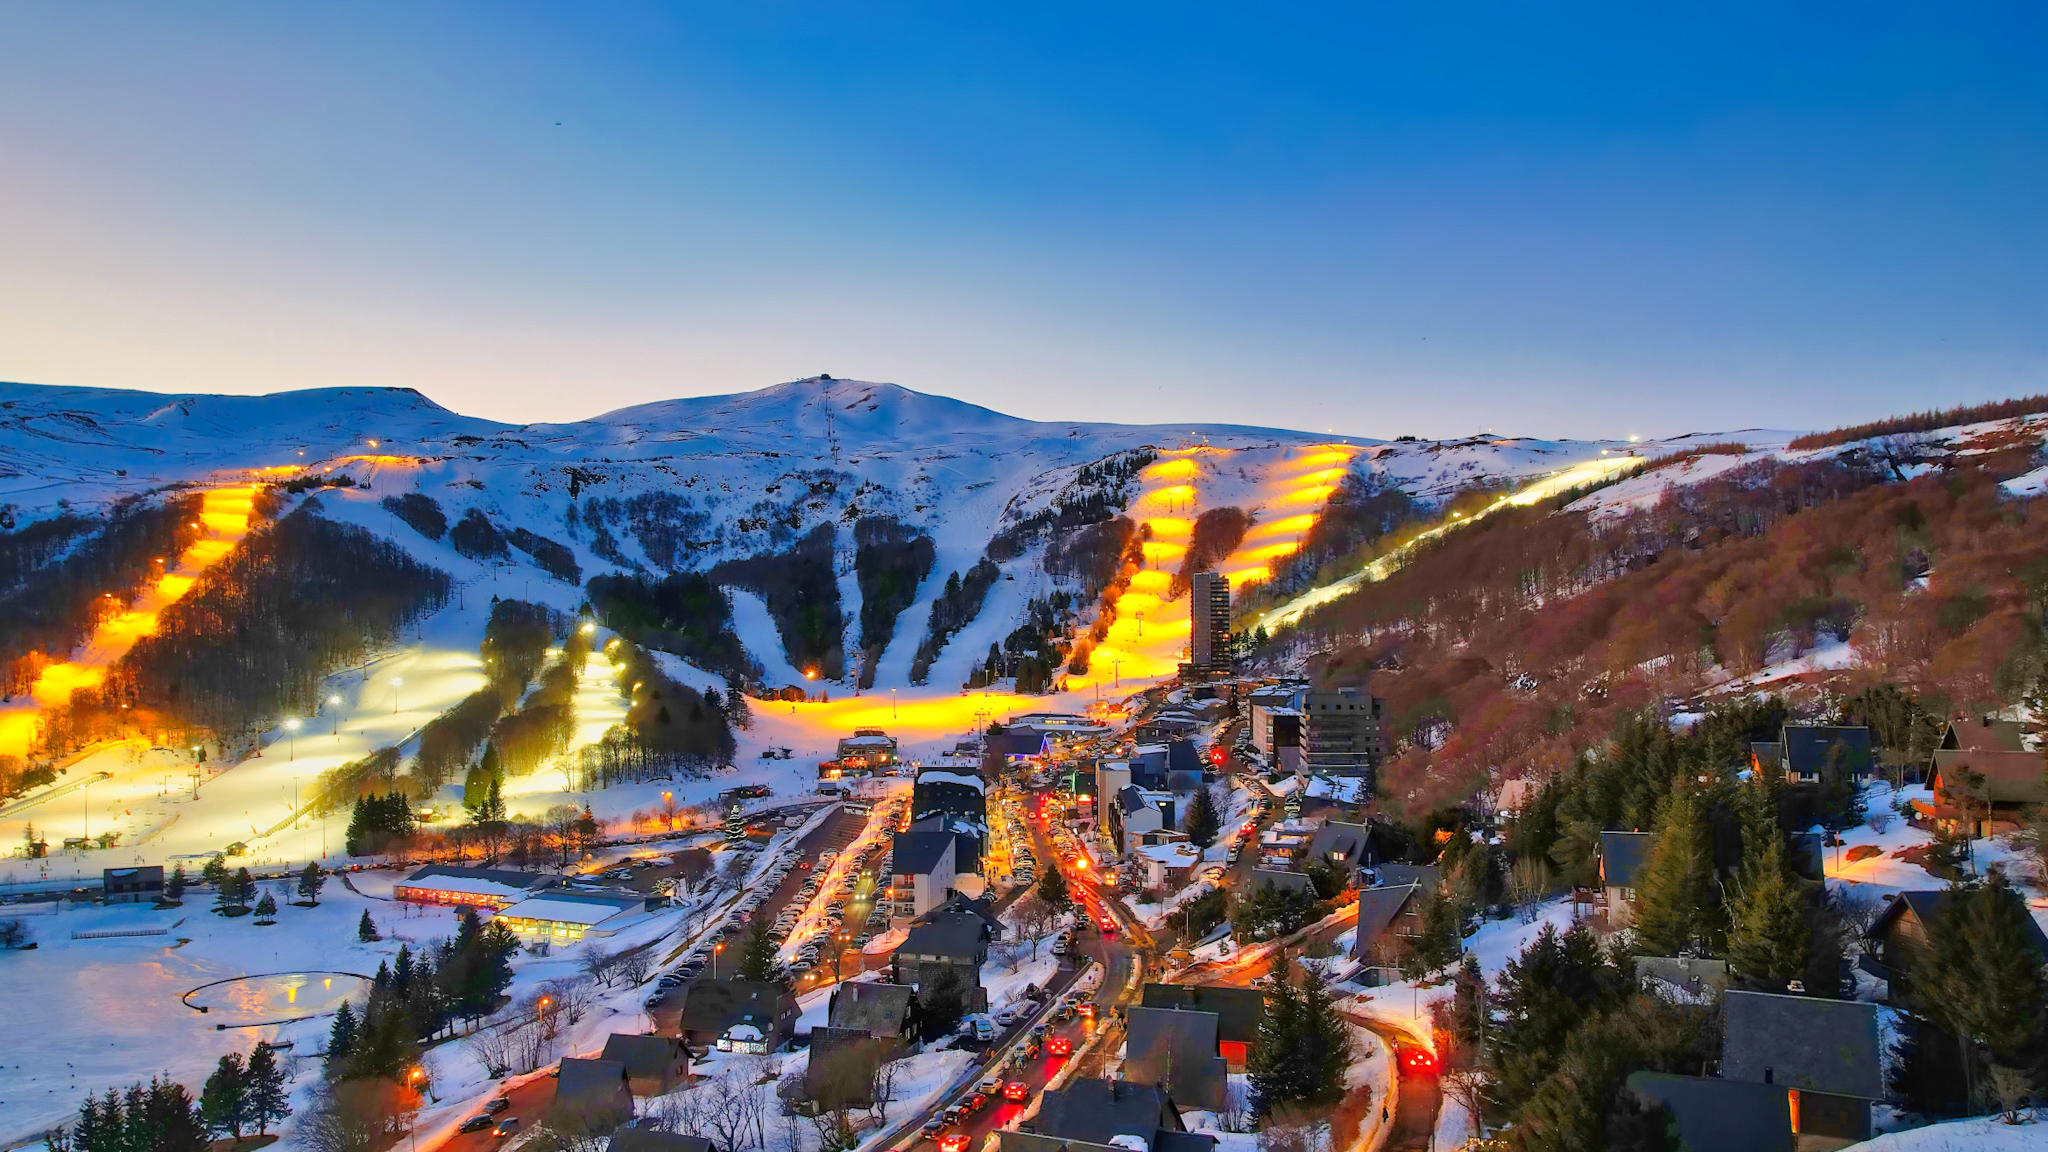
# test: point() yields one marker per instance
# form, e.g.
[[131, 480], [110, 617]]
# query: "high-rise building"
[[1209, 611], [1343, 732]]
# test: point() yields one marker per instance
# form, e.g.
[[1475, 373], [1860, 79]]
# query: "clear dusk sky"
[[1438, 218]]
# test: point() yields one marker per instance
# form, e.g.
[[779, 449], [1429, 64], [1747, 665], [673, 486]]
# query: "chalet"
[[922, 870], [143, 884], [1238, 1012], [1168, 865], [593, 1094], [470, 887], [886, 1012], [1983, 779], [1720, 1115], [1903, 934], [655, 1065], [1134, 811], [1822, 753], [738, 1015], [1388, 916], [1090, 1115], [1622, 856], [1175, 1050], [1347, 845], [1017, 748], [1825, 1054], [955, 935]]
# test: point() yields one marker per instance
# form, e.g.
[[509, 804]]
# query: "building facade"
[[1209, 648]]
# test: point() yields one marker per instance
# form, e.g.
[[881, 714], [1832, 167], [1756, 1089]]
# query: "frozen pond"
[[277, 996]]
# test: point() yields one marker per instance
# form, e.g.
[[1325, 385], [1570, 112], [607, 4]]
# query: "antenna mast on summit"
[[831, 438]]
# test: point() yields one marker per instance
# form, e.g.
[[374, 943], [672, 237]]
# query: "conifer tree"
[[1203, 820], [174, 885], [311, 880], [1768, 936], [366, 929], [757, 956], [266, 909], [215, 871], [1983, 981], [1674, 910], [224, 1101], [1052, 888], [268, 1098]]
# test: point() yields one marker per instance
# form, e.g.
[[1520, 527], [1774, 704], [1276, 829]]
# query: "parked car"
[[476, 1123], [498, 1104]]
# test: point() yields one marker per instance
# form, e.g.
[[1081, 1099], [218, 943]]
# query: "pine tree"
[[215, 872], [1324, 1047], [1674, 910], [1203, 821], [224, 1102], [269, 1100], [245, 888], [1982, 980], [366, 929], [266, 909], [735, 824], [1052, 888], [1768, 937], [170, 1118], [1275, 1072], [224, 898], [311, 880], [757, 956], [174, 885], [341, 1039]]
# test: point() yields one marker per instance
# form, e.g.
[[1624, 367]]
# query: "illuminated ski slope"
[[224, 515], [1563, 480]]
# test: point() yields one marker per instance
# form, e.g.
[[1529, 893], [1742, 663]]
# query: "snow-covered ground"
[[1975, 1134]]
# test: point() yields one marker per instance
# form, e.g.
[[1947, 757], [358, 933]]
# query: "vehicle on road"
[[934, 1126], [1016, 1090], [990, 1086], [476, 1123], [1059, 1046], [506, 1127], [954, 1142]]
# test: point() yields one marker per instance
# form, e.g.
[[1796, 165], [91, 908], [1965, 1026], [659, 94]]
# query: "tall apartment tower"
[[1209, 610]]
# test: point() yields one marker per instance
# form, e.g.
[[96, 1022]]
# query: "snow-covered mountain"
[[680, 485]]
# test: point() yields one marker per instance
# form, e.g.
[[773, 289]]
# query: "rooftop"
[[1802, 1042]]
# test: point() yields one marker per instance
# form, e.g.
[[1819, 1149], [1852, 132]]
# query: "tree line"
[[890, 561]]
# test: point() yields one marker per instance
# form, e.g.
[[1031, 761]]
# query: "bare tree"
[[600, 965], [882, 1089], [635, 967], [2010, 1090], [1034, 918], [561, 823]]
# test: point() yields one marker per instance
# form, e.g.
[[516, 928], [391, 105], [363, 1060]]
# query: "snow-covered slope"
[[683, 484]]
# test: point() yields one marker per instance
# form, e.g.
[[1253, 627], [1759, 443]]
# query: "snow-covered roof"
[[502, 883], [564, 910], [1177, 854], [934, 776]]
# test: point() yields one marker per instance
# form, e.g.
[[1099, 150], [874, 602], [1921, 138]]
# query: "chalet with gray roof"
[[593, 1093], [655, 1065], [1088, 1115], [1828, 1050], [1388, 917], [1239, 1012], [738, 1015], [922, 868], [1622, 856], [1983, 780], [883, 1011], [954, 935], [1720, 1115], [1175, 1049]]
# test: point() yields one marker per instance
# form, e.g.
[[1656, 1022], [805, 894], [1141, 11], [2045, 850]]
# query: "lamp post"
[[334, 702], [397, 682], [892, 703], [715, 950], [291, 737]]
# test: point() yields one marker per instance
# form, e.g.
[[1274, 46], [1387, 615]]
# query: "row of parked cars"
[[864, 866]]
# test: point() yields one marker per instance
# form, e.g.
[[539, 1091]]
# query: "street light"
[[334, 702], [291, 729], [397, 682], [715, 950]]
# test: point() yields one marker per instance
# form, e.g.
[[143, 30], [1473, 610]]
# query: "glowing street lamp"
[[397, 682], [334, 702], [291, 728]]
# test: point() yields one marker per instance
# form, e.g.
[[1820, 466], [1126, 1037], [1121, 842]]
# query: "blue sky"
[[1431, 219]]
